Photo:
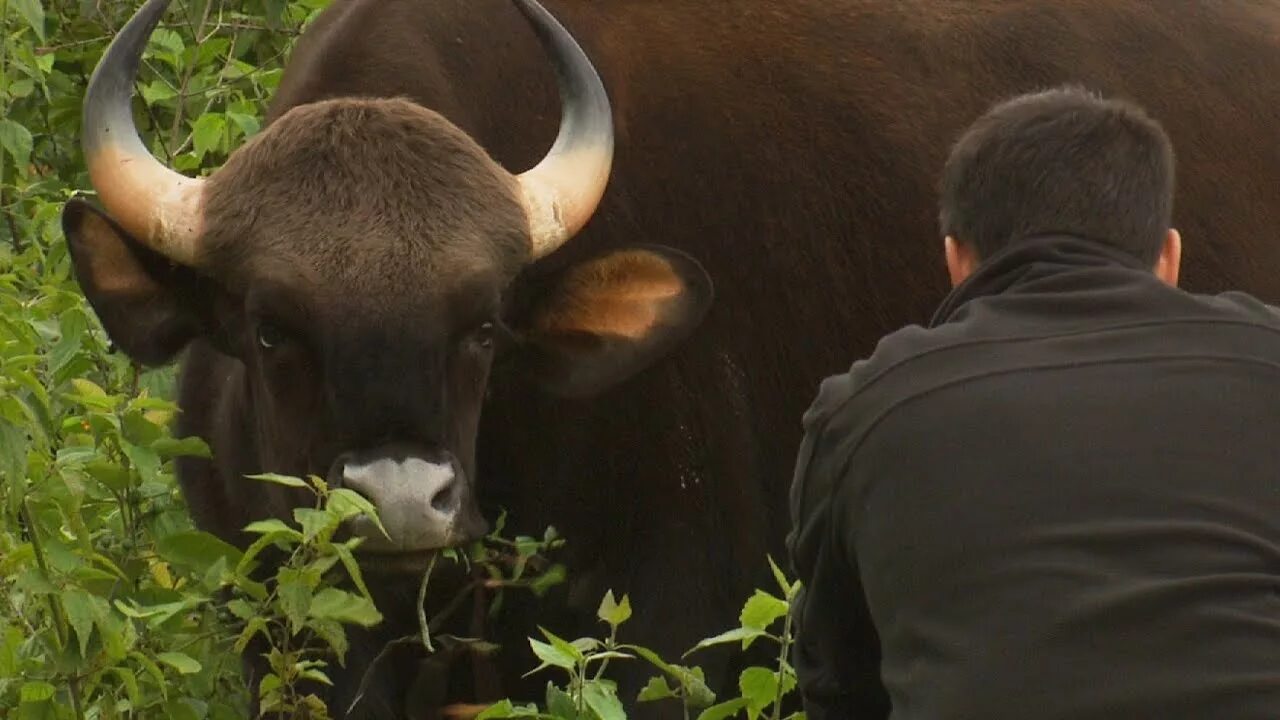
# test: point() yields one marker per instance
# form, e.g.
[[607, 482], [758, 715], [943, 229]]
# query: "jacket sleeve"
[[837, 651]]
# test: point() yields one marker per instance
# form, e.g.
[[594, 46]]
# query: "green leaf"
[[314, 522], [208, 132], [196, 549], [181, 662], [186, 447], [294, 597], [787, 587], [16, 140], [759, 686], [560, 703], [130, 682], [613, 612], [744, 634], [657, 689], [604, 701], [35, 692], [334, 604], [346, 504], [79, 607], [279, 479], [723, 710], [248, 124], [551, 656], [353, 568], [33, 12], [762, 610], [273, 526], [253, 627]]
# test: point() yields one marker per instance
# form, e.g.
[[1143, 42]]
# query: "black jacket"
[[1061, 500]]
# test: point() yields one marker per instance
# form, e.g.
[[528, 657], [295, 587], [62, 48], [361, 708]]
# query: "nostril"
[[446, 500]]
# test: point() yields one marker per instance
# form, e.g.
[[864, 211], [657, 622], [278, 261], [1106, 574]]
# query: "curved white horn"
[[159, 207], [562, 191]]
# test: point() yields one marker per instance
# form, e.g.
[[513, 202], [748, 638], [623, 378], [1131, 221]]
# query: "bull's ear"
[[608, 317], [142, 299]]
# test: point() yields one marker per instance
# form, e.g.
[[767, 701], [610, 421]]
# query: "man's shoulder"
[[892, 353], [1240, 305]]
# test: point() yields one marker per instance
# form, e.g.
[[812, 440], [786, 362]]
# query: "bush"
[[114, 605]]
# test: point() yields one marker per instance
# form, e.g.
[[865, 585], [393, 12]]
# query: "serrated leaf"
[[346, 504], [16, 140], [780, 577], [759, 686], [353, 568], [334, 604], [207, 133], [181, 662], [272, 526], [314, 522], [294, 597], [613, 612], [279, 479], [552, 656], [657, 689], [79, 607], [723, 710], [254, 626], [762, 610], [604, 701]]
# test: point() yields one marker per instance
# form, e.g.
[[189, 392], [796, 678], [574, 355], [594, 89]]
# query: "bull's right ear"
[[145, 302]]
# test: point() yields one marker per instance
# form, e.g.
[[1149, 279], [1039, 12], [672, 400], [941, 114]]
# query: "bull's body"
[[792, 148]]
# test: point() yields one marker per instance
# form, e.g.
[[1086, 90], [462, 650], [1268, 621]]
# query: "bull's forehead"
[[370, 195]]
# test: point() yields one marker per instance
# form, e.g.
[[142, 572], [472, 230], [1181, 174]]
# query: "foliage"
[[110, 600], [112, 604], [588, 695]]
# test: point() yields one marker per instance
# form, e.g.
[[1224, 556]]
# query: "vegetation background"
[[111, 604]]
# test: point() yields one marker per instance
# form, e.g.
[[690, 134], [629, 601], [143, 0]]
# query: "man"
[[1061, 499]]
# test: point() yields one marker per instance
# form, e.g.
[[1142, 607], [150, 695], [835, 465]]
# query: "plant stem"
[[776, 713], [423, 626], [59, 623]]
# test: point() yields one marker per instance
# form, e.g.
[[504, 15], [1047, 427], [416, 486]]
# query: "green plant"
[[588, 695]]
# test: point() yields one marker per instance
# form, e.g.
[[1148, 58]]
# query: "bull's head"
[[351, 263]]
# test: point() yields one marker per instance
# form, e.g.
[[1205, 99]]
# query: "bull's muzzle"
[[424, 500]]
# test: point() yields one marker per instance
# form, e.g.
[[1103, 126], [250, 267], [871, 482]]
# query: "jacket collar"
[[1023, 262]]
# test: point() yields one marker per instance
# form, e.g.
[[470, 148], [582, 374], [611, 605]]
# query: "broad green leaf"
[[560, 704], [294, 595], [353, 568], [181, 662], [35, 692], [208, 132], [314, 522], [33, 12], [334, 604], [185, 709], [759, 686], [604, 701], [255, 625], [79, 607], [657, 689], [248, 124], [762, 610], [613, 612], [16, 140], [196, 549], [184, 447]]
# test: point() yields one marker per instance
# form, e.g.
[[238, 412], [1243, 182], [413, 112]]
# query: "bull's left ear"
[[606, 318]]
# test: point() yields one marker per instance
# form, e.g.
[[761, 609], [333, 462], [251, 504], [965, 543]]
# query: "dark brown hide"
[[793, 149]]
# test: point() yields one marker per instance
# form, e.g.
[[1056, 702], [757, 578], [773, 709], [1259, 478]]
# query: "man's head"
[[1061, 161]]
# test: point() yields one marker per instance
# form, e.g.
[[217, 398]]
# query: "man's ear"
[[1170, 260], [150, 307], [606, 318], [962, 259]]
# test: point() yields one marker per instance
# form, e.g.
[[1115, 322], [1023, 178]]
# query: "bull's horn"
[[159, 207], [563, 190]]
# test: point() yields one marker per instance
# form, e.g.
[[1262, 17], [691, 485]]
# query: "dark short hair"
[[1060, 161]]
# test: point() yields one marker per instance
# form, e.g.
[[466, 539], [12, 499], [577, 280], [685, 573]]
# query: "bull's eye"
[[269, 335]]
